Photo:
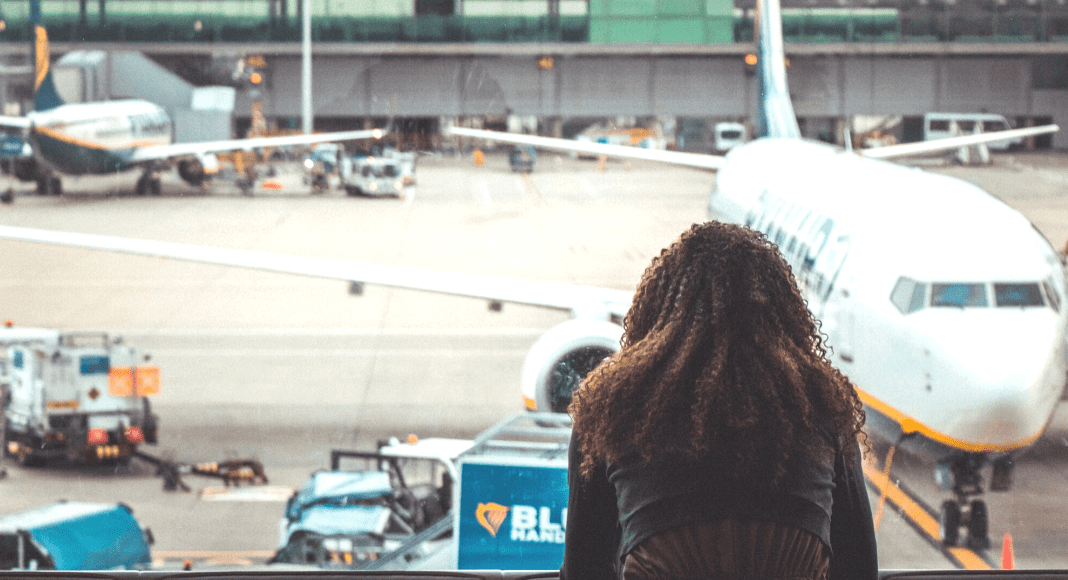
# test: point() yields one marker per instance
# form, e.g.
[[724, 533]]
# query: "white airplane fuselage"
[[973, 355], [98, 138]]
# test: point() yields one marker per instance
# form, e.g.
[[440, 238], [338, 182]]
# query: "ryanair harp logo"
[[491, 516]]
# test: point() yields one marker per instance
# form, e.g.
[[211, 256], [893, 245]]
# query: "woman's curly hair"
[[720, 358]]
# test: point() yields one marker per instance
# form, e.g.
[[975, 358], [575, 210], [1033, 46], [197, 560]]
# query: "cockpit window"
[[1017, 294], [960, 295], [908, 295], [1052, 296]]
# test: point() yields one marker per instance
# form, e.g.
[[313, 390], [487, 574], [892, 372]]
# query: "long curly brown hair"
[[720, 358]]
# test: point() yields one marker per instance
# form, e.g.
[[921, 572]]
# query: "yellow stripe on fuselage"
[[54, 134], [911, 425]]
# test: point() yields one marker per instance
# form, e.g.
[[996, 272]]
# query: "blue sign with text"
[[512, 517]]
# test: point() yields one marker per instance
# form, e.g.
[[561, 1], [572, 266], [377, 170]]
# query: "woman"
[[718, 442]]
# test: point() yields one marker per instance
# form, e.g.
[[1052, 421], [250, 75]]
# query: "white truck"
[[74, 396], [381, 175], [496, 502]]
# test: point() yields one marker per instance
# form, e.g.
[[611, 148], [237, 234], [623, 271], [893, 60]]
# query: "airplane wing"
[[922, 147], [580, 301], [8, 122], [698, 160], [156, 152]]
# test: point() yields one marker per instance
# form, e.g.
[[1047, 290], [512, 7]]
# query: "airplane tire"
[[154, 186], [55, 186], [142, 186], [978, 526], [949, 523]]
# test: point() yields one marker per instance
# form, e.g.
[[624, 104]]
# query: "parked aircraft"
[[945, 307], [116, 136]]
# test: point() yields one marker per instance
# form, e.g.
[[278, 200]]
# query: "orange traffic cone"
[[1008, 559]]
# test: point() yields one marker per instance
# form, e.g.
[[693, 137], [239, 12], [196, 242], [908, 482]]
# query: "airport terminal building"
[[557, 65]]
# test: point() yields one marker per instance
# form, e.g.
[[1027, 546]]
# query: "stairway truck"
[[79, 397]]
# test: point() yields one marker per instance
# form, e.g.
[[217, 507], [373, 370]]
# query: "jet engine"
[[562, 357], [194, 170]]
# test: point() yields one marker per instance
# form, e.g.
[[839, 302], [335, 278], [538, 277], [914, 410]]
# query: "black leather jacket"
[[609, 515]]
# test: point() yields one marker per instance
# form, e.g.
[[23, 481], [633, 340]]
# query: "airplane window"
[[1026, 294], [919, 292], [908, 295], [958, 294], [1052, 296]]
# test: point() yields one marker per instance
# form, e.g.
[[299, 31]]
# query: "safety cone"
[[1008, 559]]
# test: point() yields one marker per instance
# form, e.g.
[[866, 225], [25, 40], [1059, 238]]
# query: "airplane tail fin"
[[45, 96], [775, 113]]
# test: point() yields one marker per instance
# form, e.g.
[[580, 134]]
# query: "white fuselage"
[[98, 138], [942, 304]]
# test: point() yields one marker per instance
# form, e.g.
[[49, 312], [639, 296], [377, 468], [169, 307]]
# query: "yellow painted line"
[[919, 516], [911, 425]]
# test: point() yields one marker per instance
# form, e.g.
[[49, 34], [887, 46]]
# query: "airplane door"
[[835, 298], [847, 322]]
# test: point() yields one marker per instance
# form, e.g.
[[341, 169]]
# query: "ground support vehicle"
[[325, 161], [510, 509], [376, 176], [496, 502], [521, 159], [80, 397], [74, 536], [350, 519]]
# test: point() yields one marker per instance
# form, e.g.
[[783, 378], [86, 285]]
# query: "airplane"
[[100, 138], [946, 307]]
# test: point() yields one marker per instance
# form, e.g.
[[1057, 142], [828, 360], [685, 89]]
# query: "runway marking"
[[531, 189], [923, 519], [484, 189], [278, 493]]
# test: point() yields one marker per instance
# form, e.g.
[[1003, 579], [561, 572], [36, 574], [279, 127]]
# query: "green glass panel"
[[632, 31], [681, 7], [680, 30]]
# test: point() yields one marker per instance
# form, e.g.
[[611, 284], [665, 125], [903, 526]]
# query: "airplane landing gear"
[[961, 475], [148, 183], [973, 518], [49, 185]]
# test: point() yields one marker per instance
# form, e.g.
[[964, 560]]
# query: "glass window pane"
[[1017, 294], [958, 294]]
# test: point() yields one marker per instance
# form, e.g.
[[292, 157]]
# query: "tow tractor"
[[496, 502]]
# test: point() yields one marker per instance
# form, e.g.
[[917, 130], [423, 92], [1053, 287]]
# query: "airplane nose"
[[1007, 375]]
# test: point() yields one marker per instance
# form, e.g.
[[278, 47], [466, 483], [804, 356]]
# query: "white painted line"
[[484, 188], [250, 493]]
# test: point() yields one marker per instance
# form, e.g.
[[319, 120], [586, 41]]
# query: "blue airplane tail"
[[45, 96], [775, 113]]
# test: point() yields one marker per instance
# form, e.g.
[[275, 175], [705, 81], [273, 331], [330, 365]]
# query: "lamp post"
[[305, 77]]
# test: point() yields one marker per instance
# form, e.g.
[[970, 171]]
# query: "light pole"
[[305, 77]]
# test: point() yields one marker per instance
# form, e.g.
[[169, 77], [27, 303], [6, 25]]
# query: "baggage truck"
[[80, 397], [74, 536]]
